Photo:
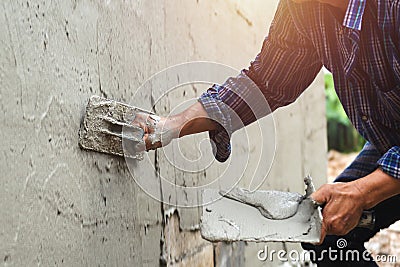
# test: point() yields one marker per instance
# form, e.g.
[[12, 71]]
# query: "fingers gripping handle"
[[367, 219]]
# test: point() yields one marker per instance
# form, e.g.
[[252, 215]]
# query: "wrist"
[[193, 120], [172, 124], [362, 192], [377, 187]]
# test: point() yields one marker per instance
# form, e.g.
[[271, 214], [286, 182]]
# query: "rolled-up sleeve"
[[284, 68], [390, 162], [218, 111]]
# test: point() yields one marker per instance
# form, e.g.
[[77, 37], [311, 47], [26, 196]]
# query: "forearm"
[[191, 121], [377, 187]]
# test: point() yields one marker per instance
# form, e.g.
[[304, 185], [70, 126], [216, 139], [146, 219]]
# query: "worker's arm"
[[193, 120], [344, 202], [284, 68], [159, 131]]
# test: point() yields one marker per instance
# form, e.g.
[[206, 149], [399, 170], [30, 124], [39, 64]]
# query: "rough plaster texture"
[[64, 206]]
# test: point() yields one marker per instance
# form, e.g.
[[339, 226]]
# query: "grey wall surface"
[[64, 206]]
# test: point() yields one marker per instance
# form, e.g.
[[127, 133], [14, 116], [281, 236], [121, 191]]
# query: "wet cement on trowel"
[[107, 128], [273, 205], [260, 216]]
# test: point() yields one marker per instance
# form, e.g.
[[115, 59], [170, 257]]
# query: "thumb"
[[321, 196]]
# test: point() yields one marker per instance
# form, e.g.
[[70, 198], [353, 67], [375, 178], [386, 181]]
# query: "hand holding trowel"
[[276, 216], [119, 129]]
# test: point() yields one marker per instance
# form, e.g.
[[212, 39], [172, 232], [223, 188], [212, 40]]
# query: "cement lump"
[[309, 186], [271, 204], [275, 205]]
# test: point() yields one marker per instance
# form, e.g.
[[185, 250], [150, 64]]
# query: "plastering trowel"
[[107, 123], [261, 216]]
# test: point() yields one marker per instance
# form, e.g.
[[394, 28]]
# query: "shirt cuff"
[[390, 162], [354, 14], [218, 111]]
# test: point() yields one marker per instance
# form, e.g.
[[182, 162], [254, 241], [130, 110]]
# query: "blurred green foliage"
[[342, 136]]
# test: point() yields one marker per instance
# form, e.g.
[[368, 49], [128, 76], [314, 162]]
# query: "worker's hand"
[[344, 202], [158, 131], [343, 206]]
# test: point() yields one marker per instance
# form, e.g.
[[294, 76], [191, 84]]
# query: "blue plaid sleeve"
[[284, 68], [218, 112], [354, 14], [390, 162]]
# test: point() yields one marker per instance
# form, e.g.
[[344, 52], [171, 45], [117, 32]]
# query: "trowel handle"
[[367, 220]]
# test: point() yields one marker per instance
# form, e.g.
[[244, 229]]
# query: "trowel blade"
[[229, 220], [106, 124]]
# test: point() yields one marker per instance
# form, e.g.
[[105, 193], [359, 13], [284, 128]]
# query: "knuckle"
[[333, 225], [341, 230], [338, 228], [327, 188], [324, 187], [329, 223]]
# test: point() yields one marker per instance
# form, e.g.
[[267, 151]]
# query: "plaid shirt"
[[361, 49]]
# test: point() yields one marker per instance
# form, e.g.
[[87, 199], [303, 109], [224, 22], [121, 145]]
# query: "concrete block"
[[229, 254], [185, 248]]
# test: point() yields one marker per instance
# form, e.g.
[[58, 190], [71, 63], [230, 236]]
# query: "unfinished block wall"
[[64, 206]]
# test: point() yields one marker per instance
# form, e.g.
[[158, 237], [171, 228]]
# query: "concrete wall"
[[64, 206]]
